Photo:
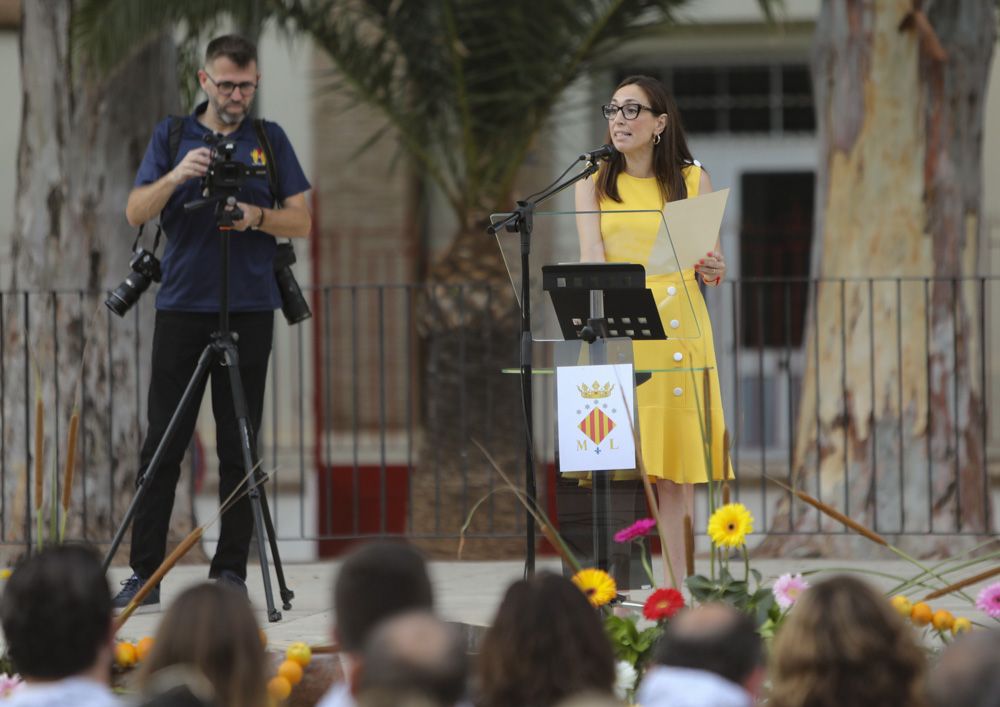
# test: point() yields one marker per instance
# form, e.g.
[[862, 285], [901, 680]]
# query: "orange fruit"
[[143, 647], [960, 625], [901, 604], [942, 620], [921, 614], [300, 653], [291, 671], [125, 654], [279, 688]]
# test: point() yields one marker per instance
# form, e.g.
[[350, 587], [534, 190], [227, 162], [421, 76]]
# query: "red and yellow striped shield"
[[597, 425]]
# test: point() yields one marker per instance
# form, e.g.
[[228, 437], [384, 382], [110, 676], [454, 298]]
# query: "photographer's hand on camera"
[[253, 216], [194, 164]]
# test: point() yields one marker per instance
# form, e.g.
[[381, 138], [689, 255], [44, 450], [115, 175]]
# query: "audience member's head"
[[56, 615], [412, 658], [211, 628], [177, 686], [843, 644], [716, 638], [968, 672], [376, 581], [546, 643]]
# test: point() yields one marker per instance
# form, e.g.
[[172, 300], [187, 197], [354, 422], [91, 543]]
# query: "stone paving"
[[466, 592]]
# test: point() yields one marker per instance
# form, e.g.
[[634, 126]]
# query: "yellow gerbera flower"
[[598, 586], [730, 525]]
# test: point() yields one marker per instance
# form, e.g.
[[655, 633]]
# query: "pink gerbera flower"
[[989, 600], [636, 530], [788, 588]]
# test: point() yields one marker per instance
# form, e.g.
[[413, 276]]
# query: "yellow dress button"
[[671, 290], [675, 323], [678, 392], [678, 356]]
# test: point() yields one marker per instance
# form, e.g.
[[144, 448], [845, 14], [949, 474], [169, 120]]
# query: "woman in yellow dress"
[[654, 166]]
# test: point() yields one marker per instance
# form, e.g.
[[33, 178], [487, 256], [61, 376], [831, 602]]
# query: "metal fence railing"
[[369, 422]]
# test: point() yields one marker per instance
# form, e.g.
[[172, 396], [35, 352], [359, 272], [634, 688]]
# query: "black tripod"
[[221, 350]]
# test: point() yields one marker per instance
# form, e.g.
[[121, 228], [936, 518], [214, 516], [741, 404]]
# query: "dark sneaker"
[[231, 579], [131, 587]]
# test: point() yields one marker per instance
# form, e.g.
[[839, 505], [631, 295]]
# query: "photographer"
[[187, 303]]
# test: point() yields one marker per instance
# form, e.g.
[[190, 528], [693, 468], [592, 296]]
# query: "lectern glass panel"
[[646, 243]]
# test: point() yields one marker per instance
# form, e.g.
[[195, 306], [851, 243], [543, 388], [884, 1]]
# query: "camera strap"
[[156, 238], [272, 167]]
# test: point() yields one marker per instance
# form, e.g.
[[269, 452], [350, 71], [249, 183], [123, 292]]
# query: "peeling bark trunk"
[[82, 138], [898, 448]]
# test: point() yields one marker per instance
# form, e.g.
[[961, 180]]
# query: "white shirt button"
[[674, 323], [678, 356], [671, 290], [678, 392]]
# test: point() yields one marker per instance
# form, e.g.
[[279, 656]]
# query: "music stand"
[[595, 302]]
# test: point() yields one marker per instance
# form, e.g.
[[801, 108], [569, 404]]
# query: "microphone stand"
[[521, 220]]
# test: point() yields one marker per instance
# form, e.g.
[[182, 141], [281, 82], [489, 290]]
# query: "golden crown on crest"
[[595, 390]]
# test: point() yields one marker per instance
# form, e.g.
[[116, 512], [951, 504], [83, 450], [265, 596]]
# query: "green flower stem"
[[875, 573], [916, 580], [927, 570], [646, 564], [746, 565]]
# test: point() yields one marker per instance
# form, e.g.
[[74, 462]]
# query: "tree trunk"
[[82, 137], [890, 429], [469, 324]]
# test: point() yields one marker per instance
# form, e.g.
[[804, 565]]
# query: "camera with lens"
[[226, 175], [145, 270], [293, 304]]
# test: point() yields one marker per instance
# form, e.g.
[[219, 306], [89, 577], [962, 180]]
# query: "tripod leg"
[[142, 483], [231, 361], [286, 594]]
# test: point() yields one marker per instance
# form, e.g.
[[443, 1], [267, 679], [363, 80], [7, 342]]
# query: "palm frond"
[[109, 31]]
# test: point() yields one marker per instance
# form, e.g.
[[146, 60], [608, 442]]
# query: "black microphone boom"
[[603, 152]]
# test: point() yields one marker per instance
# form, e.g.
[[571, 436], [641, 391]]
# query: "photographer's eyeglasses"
[[629, 110], [226, 88]]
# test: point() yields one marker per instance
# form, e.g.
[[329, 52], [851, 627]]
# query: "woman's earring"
[[656, 139]]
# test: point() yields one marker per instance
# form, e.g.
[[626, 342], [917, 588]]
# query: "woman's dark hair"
[[545, 644], [211, 628], [670, 156], [56, 612]]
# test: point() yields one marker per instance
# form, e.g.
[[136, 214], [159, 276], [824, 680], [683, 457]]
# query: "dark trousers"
[[178, 341]]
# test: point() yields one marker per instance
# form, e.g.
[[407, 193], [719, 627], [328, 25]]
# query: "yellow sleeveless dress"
[[671, 405]]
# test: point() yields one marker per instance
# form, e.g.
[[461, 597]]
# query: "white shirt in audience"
[[70, 692], [337, 696], [683, 687]]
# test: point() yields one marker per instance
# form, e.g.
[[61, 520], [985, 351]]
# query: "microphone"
[[603, 152]]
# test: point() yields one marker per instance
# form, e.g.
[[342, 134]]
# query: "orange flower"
[[921, 614]]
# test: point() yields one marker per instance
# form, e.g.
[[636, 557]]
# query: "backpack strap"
[[174, 137], [272, 168]]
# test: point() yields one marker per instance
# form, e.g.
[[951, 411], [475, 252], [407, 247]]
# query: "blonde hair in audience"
[[843, 644]]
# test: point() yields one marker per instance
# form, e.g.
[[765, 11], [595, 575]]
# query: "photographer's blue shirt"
[[192, 259]]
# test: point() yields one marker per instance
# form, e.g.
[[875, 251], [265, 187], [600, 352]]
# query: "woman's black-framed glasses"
[[629, 110], [226, 88]]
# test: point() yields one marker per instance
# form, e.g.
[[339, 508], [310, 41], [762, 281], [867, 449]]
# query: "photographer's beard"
[[230, 112]]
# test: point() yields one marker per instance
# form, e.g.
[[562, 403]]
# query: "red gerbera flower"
[[663, 604]]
